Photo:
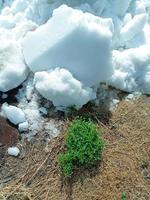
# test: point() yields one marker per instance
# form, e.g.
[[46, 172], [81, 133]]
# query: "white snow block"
[[62, 88], [13, 151], [13, 114], [132, 70], [71, 39], [13, 71], [133, 27]]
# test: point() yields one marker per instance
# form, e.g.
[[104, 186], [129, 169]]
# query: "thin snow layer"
[[132, 69], [13, 71], [64, 92], [14, 114], [77, 41]]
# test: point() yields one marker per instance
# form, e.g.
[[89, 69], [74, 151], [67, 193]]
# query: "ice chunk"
[[13, 71], [120, 7], [21, 29], [99, 6], [19, 6], [133, 27], [62, 88], [23, 126], [127, 18], [43, 110], [13, 151], [7, 21], [13, 114], [132, 69], [77, 41]]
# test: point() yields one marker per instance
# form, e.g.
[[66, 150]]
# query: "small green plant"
[[83, 146], [123, 196]]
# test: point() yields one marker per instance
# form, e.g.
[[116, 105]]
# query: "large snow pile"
[[70, 49]]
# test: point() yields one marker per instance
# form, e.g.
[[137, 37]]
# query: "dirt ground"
[[125, 167]]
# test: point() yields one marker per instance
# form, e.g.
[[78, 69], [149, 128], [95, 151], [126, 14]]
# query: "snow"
[[114, 104], [35, 109], [132, 69], [43, 110], [23, 126], [29, 103], [132, 96], [21, 29], [120, 8], [13, 151], [65, 86], [13, 70], [14, 114], [82, 46], [133, 27]]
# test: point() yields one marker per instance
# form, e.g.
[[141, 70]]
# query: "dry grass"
[[125, 166]]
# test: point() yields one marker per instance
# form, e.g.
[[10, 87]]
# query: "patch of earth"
[[125, 167]]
